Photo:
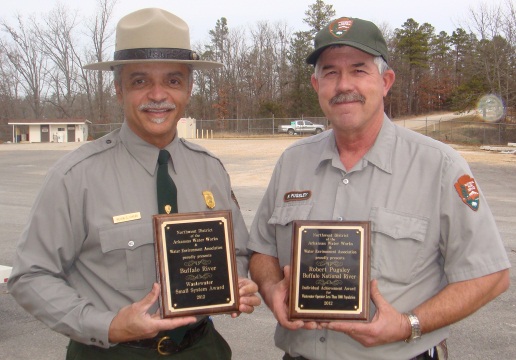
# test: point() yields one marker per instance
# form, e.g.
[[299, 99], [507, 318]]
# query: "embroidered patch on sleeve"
[[297, 195], [468, 191]]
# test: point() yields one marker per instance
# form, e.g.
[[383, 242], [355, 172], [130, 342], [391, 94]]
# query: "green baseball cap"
[[360, 34]]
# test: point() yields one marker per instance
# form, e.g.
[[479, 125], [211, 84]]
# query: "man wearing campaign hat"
[[436, 255], [85, 263]]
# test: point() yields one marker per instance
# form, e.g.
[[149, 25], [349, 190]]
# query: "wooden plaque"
[[195, 263], [330, 271]]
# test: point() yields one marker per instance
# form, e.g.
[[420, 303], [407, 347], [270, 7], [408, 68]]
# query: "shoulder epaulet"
[[89, 149], [199, 149]]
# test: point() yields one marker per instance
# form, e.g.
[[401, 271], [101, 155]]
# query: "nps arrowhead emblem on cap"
[[339, 27], [468, 191]]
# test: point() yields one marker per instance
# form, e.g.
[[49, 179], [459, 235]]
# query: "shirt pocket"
[[129, 255], [397, 244], [282, 217]]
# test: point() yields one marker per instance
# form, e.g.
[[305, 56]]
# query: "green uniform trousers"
[[212, 346]]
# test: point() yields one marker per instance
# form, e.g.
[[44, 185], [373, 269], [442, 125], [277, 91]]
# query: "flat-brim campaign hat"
[[153, 35]]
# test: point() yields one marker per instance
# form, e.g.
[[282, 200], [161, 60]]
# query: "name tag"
[[126, 217], [297, 196]]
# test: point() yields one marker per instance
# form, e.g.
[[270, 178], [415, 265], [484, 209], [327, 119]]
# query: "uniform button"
[[322, 339], [108, 141], [345, 181], [130, 243], [93, 340], [101, 342], [339, 218]]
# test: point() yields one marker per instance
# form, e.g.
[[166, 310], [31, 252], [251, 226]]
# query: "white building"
[[50, 130], [187, 128]]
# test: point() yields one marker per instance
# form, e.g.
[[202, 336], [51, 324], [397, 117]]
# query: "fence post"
[[272, 124]]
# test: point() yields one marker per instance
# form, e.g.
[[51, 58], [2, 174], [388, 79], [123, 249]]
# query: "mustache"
[[157, 106], [347, 97]]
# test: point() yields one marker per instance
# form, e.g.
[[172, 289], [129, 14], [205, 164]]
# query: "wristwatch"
[[414, 325]]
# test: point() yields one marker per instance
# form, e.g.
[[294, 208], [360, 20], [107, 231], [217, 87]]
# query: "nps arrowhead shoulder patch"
[[468, 191]]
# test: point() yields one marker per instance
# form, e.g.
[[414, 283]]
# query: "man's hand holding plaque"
[[195, 260], [330, 271]]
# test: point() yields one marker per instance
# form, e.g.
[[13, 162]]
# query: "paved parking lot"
[[488, 334]]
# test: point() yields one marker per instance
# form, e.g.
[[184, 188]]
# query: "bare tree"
[[23, 53], [98, 88], [236, 74], [509, 29], [9, 89], [496, 27], [58, 45]]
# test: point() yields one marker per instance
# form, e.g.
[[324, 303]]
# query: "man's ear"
[[315, 83], [118, 92], [388, 80]]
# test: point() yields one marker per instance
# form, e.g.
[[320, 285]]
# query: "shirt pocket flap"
[[125, 237], [398, 225], [285, 214]]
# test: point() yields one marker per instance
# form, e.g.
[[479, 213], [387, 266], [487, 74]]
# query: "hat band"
[[155, 54]]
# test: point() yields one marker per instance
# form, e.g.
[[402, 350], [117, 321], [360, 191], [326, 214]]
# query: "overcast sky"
[[201, 15]]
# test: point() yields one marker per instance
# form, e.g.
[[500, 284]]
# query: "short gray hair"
[[117, 71], [381, 63], [378, 60]]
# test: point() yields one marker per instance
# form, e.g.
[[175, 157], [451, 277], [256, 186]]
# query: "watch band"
[[414, 325]]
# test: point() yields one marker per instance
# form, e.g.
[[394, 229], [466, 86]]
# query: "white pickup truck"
[[301, 126]]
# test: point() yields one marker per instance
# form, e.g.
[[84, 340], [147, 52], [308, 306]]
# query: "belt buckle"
[[162, 343]]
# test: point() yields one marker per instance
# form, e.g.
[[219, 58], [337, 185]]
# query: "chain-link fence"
[[464, 132], [449, 131]]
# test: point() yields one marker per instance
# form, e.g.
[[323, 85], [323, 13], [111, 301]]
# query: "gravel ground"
[[488, 334]]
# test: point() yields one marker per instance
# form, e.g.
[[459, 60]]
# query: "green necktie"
[[167, 191], [167, 203]]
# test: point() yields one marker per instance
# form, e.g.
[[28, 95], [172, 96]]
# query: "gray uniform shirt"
[[74, 268], [423, 235]]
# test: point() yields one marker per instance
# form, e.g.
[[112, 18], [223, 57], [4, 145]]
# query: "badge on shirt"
[[209, 199], [468, 191], [297, 195]]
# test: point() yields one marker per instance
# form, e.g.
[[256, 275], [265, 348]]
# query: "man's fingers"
[[250, 300], [149, 299], [246, 286], [167, 324], [286, 273], [376, 296]]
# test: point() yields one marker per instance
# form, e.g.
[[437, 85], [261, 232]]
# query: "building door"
[[45, 133], [71, 133]]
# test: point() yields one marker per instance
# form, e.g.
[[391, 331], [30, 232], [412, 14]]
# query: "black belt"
[[164, 345]]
